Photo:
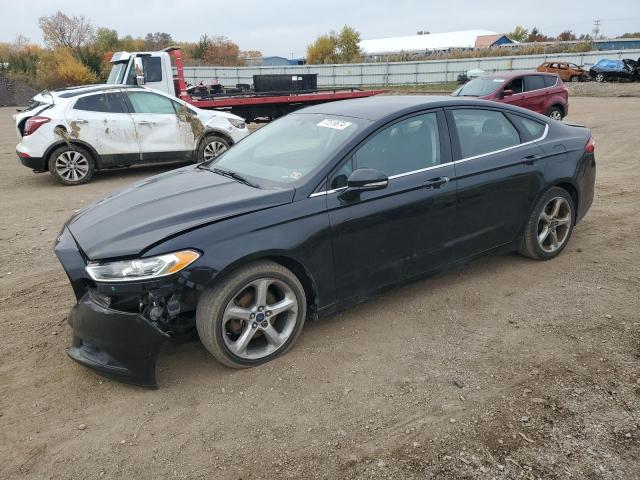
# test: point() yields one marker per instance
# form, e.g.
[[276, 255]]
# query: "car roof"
[[381, 107], [71, 92]]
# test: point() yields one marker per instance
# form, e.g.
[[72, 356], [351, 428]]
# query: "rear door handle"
[[81, 121], [435, 182], [530, 159]]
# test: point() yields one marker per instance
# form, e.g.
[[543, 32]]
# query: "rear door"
[[405, 229], [103, 121], [535, 93], [162, 135], [499, 171]]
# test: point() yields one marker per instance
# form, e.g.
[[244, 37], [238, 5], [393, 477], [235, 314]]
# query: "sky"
[[285, 28]]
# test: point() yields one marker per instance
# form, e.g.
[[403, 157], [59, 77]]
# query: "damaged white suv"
[[75, 131]]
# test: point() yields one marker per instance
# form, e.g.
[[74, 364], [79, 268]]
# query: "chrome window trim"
[[542, 137]]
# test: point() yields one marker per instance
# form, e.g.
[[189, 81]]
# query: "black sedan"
[[317, 211], [608, 70]]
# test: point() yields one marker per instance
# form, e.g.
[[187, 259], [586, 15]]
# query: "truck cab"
[[151, 69]]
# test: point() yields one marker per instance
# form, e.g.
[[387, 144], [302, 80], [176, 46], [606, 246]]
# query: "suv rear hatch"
[[37, 105]]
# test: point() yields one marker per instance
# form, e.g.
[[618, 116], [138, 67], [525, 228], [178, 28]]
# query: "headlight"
[[238, 123], [141, 268]]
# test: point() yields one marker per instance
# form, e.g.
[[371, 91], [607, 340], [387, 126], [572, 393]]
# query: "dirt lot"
[[508, 368]]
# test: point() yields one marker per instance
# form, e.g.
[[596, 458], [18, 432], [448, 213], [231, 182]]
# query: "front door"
[[403, 230], [102, 120], [161, 133], [499, 171], [516, 86]]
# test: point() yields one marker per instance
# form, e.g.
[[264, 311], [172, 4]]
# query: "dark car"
[[541, 92], [607, 70], [316, 211]]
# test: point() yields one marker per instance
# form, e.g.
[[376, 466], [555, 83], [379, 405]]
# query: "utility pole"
[[596, 29]]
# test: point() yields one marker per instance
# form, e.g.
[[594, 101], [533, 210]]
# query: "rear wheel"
[[211, 146], [600, 78], [71, 165], [550, 225], [253, 316], [555, 112]]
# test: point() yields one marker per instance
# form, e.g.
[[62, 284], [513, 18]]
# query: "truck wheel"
[[254, 315], [210, 147], [71, 165]]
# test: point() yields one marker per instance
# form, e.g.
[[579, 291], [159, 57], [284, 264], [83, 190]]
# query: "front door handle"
[[435, 182], [530, 159]]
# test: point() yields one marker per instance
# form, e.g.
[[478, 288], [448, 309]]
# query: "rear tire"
[[600, 78], [210, 147], [556, 113], [71, 165], [252, 316], [550, 225]]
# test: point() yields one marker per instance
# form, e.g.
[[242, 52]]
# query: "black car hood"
[[127, 222]]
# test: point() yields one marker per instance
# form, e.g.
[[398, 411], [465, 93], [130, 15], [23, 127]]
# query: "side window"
[[534, 129], [152, 69], [483, 131], [147, 102], [549, 80], [409, 145], [103, 102], [515, 85], [535, 82]]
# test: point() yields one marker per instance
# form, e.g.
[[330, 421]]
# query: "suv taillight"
[[590, 147], [32, 124]]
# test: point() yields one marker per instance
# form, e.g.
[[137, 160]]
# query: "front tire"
[[253, 316], [550, 225], [600, 78], [211, 147], [71, 165]]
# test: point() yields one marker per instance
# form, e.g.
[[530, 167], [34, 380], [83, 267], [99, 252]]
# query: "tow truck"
[[164, 71]]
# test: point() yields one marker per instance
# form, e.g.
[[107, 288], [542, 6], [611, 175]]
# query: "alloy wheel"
[[72, 166], [260, 318], [600, 78], [213, 149], [556, 114], [554, 224]]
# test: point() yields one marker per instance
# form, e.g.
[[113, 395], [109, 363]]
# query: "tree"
[[566, 36], [158, 40], [323, 50], [223, 52], [630, 35], [200, 49], [536, 36], [62, 31], [106, 40], [519, 34], [335, 48], [248, 54], [348, 44]]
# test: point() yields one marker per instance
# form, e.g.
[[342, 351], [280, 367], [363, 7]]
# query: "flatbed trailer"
[[156, 70]]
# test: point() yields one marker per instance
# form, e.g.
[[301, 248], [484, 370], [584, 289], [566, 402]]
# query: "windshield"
[[479, 87], [289, 149], [117, 72]]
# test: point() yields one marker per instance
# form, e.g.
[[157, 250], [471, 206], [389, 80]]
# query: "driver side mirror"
[[364, 180], [139, 71], [507, 93]]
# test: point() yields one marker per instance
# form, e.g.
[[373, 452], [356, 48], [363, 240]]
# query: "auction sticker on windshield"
[[337, 124]]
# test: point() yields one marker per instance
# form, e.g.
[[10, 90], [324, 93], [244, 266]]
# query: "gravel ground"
[[606, 89], [507, 368]]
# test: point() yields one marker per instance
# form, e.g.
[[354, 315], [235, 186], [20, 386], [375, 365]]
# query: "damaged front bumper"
[[120, 345], [118, 330]]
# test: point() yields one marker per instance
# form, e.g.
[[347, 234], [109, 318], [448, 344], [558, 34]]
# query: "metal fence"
[[397, 73]]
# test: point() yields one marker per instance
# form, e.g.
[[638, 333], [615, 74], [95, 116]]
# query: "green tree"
[[519, 34], [200, 49], [323, 50], [630, 35], [106, 40], [348, 45]]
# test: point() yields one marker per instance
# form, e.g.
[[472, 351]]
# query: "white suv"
[[73, 132]]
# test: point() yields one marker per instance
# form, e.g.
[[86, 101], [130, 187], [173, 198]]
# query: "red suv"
[[541, 92]]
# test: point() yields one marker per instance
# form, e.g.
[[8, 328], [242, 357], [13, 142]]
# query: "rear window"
[[534, 82], [103, 102], [549, 81]]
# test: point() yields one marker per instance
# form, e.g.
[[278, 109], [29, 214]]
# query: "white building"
[[464, 39]]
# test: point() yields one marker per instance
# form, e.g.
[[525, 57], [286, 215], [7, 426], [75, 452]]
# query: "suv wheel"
[[555, 112], [549, 226], [211, 147], [252, 316], [71, 165]]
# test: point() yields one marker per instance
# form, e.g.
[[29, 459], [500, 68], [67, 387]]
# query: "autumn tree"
[[158, 40], [630, 35], [519, 34], [223, 52], [566, 36], [106, 40], [199, 50], [536, 36], [62, 31], [343, 47]]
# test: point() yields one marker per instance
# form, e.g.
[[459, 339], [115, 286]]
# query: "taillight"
[[32, 124], [590, 147]]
